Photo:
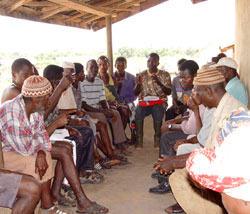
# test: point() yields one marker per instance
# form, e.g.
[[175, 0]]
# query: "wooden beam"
[[108, 20], [75, 17], [109, 3], [129, 4], [197, 1], [17, 5], [53, 12], [58, 19], [117, 9], [100, 4], [48, 9], [40, 4], [91, 19], [83, 7]]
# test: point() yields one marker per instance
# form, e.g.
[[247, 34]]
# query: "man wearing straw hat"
[[209, 86]]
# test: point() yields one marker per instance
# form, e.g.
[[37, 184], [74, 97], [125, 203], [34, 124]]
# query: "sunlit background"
[[177, 25]]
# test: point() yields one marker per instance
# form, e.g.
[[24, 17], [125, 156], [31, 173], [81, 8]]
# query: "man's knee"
[[30, 187], [65, 152], [60, 152], [85, 131], [67, 145]]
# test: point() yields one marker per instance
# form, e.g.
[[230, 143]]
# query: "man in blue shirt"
[[235, 87]]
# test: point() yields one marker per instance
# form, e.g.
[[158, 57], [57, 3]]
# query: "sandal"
[[105, 166], [121, 158], [98, 166], [66, 201], [112, 162], [67, 192], [66, 187], [100, 207], [94, 209], [70, 194], [126, 152], [103, 163], [91, 177], [54, 210]]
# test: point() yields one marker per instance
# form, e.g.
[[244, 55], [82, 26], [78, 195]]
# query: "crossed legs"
[[65, 167]]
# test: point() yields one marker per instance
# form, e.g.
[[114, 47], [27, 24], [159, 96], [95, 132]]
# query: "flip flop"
[[53, 210], [66, 202], [91, 178]]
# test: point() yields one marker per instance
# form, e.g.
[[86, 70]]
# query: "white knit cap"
[[68, 65]]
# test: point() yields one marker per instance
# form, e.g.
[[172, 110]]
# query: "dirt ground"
[[125, 188]]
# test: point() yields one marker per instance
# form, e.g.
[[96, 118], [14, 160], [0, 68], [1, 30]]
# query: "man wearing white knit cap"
[[67, 100], [26, 144], [228, 68]]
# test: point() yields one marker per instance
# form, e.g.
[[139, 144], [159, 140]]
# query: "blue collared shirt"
[[236, 88], [127, 90]]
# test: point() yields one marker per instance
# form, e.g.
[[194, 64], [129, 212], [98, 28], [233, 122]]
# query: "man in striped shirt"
[[94, 102]]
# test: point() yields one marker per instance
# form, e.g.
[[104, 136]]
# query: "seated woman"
[[111, 93]]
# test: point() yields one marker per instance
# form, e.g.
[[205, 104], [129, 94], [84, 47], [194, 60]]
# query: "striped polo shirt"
[[92, 92]]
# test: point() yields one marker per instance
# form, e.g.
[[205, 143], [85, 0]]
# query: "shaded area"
[[125, 188]]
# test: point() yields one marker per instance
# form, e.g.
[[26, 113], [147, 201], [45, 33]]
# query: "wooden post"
[[109, 43], [242, 41]]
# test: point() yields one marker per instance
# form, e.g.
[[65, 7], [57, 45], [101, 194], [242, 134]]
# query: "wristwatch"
[[170, 126]]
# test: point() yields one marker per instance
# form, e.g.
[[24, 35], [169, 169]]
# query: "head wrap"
[[36, 86], [208, 76], [68, 65], [225, 169]]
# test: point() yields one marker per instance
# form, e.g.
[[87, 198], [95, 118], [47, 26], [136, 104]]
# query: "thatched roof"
[[86, 14]]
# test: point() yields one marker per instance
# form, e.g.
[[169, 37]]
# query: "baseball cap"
[[226, 61]]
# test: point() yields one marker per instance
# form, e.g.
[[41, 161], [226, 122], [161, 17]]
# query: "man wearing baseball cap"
[[209, 86], [228, 68]]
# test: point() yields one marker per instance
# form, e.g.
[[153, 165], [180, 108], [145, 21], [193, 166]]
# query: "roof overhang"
[[86, 14]]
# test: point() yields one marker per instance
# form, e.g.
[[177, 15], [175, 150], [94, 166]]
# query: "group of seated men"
[[200, 160], [35, 113], [35, 109]]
